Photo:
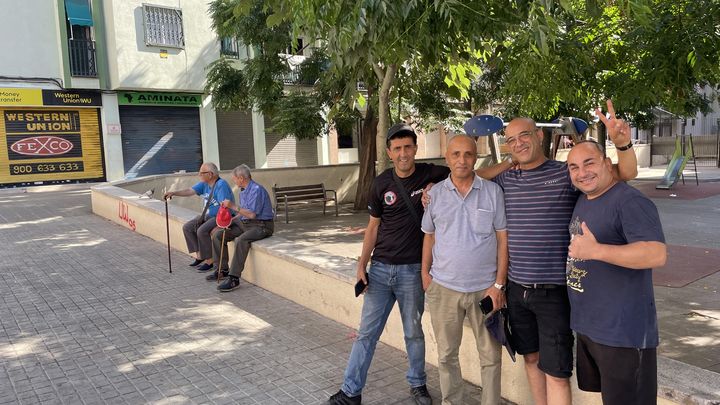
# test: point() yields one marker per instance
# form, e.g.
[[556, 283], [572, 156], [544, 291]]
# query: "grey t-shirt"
[[465, 250]]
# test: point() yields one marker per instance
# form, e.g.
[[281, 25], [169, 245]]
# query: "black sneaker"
[[204, 267], [213, 276], [195, 263], [342, 399], [229, 284], [421, 395]]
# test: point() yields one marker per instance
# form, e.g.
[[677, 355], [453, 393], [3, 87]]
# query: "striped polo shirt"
[[538, 204]]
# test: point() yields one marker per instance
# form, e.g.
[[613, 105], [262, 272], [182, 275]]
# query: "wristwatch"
[[626, 147], [500, 287]]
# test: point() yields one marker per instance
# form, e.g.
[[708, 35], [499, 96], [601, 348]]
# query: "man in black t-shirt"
[[617, 239], [394, 239]]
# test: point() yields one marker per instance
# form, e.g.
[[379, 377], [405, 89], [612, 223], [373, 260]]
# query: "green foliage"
[[228, 86], [246, 20], [299, 115], [540, 58], [257, 82], [313, 68], [640, 53]]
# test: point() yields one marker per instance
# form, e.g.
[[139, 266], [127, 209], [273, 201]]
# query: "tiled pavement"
[[688, 317], [89, 315]]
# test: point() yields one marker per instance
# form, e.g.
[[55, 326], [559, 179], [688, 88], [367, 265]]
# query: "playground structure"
[[684, 153], [569, 129]]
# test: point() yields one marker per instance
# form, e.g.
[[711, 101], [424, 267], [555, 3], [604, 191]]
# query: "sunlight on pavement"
[[69, 240], [13, 225], [201, 338], [21, 348]]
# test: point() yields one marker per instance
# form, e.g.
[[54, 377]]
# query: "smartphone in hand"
[[359, 287], [486, 305]]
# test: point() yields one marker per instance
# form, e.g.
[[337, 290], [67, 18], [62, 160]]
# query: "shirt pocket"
[[481, 220]]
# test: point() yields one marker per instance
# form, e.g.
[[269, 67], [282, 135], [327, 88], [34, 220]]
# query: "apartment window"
[[81, 46], [229, 47], [163, 26], [295, 48]]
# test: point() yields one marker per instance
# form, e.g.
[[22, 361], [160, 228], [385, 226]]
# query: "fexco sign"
[[45, 145]]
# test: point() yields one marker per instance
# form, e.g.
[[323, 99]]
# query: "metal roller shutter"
[[235, 139], [288, 151], [159, 140], [50, 145]]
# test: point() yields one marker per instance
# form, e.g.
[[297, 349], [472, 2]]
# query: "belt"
[[539, 286], [256, 221]]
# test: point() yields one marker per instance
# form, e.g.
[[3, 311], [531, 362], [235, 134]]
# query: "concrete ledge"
[[323, 283], [686, 384]]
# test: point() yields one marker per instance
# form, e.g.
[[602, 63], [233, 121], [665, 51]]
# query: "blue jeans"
[[388, 283]]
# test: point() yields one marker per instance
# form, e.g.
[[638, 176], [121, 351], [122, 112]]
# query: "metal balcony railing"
[[82, 58]]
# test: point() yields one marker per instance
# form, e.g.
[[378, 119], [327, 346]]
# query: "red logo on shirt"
[[390, 198]]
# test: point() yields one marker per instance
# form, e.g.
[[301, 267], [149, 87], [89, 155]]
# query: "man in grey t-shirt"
[[465, 258]]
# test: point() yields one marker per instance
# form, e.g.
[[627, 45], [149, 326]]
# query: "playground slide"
[[674, 169]]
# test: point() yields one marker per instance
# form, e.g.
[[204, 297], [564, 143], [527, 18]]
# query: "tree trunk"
[[367, 158], [602, 135], [386, 78]]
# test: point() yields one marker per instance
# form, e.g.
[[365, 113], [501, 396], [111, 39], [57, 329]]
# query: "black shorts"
[[540, 322], [622, 375]]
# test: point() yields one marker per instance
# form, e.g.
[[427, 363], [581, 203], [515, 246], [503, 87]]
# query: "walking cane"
[[222, 248], [167, 229], [222, 220]]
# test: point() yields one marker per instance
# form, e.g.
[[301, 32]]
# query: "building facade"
[[94, 90]]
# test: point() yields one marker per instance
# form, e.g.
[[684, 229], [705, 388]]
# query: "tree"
[[640, 54], [538, 58], [380, 37], [365, 42], [257, 83]]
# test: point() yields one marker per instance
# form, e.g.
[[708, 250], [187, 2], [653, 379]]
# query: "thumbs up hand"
[[583, 246]]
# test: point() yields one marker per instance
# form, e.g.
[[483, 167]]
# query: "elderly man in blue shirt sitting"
[[197, 231], [254, 221]]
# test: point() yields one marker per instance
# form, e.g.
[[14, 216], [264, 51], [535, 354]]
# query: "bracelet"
[[626, 147]]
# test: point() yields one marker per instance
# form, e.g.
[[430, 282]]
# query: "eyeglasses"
[[201, 173], [522, 136]]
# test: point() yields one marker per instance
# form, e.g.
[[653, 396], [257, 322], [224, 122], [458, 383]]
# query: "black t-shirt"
[[614, 305], [399, 239]]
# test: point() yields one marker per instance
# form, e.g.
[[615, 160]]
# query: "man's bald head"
[[590, 171], [527, 124], [461, 156], [462, 138]]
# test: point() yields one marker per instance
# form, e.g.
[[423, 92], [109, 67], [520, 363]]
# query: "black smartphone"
[[359, 287], [486, 305]]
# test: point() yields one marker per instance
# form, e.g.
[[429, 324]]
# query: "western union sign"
[[40, 97], [38, 145], [27, 97]]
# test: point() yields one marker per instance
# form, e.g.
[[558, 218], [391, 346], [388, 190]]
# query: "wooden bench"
[[296, 195]]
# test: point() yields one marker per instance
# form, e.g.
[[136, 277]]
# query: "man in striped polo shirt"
[[539, 201]]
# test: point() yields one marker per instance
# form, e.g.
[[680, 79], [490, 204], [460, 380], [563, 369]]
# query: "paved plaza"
[[688, 316], [90, 315]]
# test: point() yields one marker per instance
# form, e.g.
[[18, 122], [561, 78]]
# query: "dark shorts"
[[540, 322], [623, 375]]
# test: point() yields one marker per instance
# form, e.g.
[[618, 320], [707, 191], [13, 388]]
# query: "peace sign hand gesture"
[[617, 129]]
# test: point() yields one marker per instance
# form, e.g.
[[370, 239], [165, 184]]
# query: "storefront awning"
[[78, 12]]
